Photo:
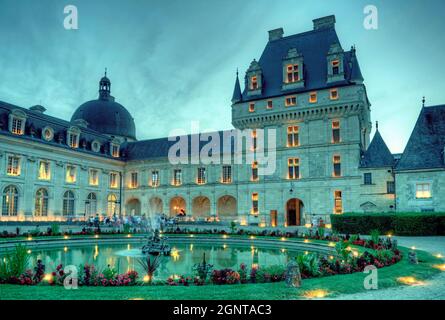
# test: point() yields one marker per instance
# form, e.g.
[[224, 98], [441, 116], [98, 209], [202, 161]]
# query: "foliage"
[[272, 273], [232, 227], [55, 229], [150, 264], [225, 276], [126, 228], [375, 236], [203, 269], [321, 232], [343, 250], [14, 263], [309, 264]]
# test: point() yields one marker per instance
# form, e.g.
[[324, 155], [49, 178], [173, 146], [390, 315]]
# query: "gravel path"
[[434, 289]]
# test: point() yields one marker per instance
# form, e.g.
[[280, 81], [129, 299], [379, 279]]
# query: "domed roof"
[[106, 116]]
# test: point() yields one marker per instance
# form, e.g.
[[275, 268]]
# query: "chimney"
[[324, 22], [276, 34]]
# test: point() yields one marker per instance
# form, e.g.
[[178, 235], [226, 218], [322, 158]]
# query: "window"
[[293, 167], [290, 101], [292, 73], [10, 201], [115, 151], [41, 203], [44, 171], [254, 140], [177, 177], [13, 168], [423, 191], [17, 127], [335, 67], [367, 177], [226, 174], [254, 203], [269, 104], [201, 176], [335, 131], [312, 97], [253, 83], [113, 180], [337, 166], [338, 203], [70, 174], [91, 205], [134, 180], [390, 187], [255, 171], [111, 205], [68, 204], [334, 94], [94, 177], [293, 138], [155, 178], [73, 140], [251, 107]]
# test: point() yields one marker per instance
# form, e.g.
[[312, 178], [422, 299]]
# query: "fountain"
[[156, 245]]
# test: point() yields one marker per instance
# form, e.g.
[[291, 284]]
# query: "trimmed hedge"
[[400, 223]]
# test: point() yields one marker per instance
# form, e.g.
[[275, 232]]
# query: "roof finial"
[[377, 125], [105, 71], [423, 102], [237, 72]]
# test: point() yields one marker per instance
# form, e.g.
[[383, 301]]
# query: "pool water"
[[125, 257]]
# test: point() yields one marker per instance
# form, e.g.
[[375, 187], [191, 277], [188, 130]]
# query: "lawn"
[[335, 285]]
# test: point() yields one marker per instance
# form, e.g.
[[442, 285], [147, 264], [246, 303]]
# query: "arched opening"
[[41, 204], [226, 208], [155, 206], [201, 207], [111, 205], [91, 205], [68, 203], [10, 201], [294, 211], [133, 207], [177, 206]]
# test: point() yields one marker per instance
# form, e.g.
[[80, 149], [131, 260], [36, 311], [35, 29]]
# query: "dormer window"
[[114, 148], [313, 97], [254, 78], [17, 120], [269, 104], [290, 101], [251, 107], [73, 136], [292, 73], [293, 70], [335, 67], [253, 83]]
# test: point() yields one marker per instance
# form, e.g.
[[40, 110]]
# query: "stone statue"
[[293, 275], [412, 257]]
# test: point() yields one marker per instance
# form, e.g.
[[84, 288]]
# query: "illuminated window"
[[293, 138], [111, 205], [251, 107], [226, 174], [91, 205], [423, 191], [94, 177], [17, 126], [70, 174], [334, 94], [293, 167], [115, 151], [134, 183], [253, 83], [177, 177], [337, 166], [113, 180], [201, 176], [41, 203], [255, 171], [290, 101], [335, 67], [13, 168], [68, 203], [10, 201], [73, 140], [313, 97], [44, 170], [335, 131], [255, 203], [269, 104], [292, 73], [155, 178], [254, 140], [338, 203]]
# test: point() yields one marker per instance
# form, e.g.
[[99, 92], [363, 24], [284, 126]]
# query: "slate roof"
[[36, 121], [377, 155], [314, 46], [237, 95], [425, 148]]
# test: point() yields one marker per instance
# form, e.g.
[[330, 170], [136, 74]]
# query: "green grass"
[[335, 285]]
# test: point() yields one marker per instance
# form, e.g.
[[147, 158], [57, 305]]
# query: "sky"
[[172, 62]]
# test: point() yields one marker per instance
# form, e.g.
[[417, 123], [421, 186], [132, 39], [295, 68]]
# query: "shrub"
[[225, 276], [309, 264], [203, 268], [272, 273], [14, 264]]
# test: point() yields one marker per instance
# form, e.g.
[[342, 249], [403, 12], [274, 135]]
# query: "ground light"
[[146, 278], [128, 235], [283, 239], [66, 237], [48, 277], [440, 267], [29, 238], [96, 236], [331, 244], [410, 281], [315, 294], [306, 241], [439, 256]]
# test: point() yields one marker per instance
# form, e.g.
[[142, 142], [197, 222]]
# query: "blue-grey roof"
[[314, 46], [377, 155], [425, 148], [35, 123], [237, 95]]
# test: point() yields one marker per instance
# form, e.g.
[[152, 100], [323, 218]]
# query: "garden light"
[[96, 236], [48, 277], [439, 256], [29, 251], [441, 267], [283, 239], [146, 278], [316, 294], [306, 241], [413, 248], [328, 226], [128, 235], [225, 236], [410, 281], [29, 238], [307, 225], [65, 249], [66, 237], [191, 236], [331, 244], [252, 237]]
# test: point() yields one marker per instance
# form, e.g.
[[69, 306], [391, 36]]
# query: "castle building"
[[305, 87]]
